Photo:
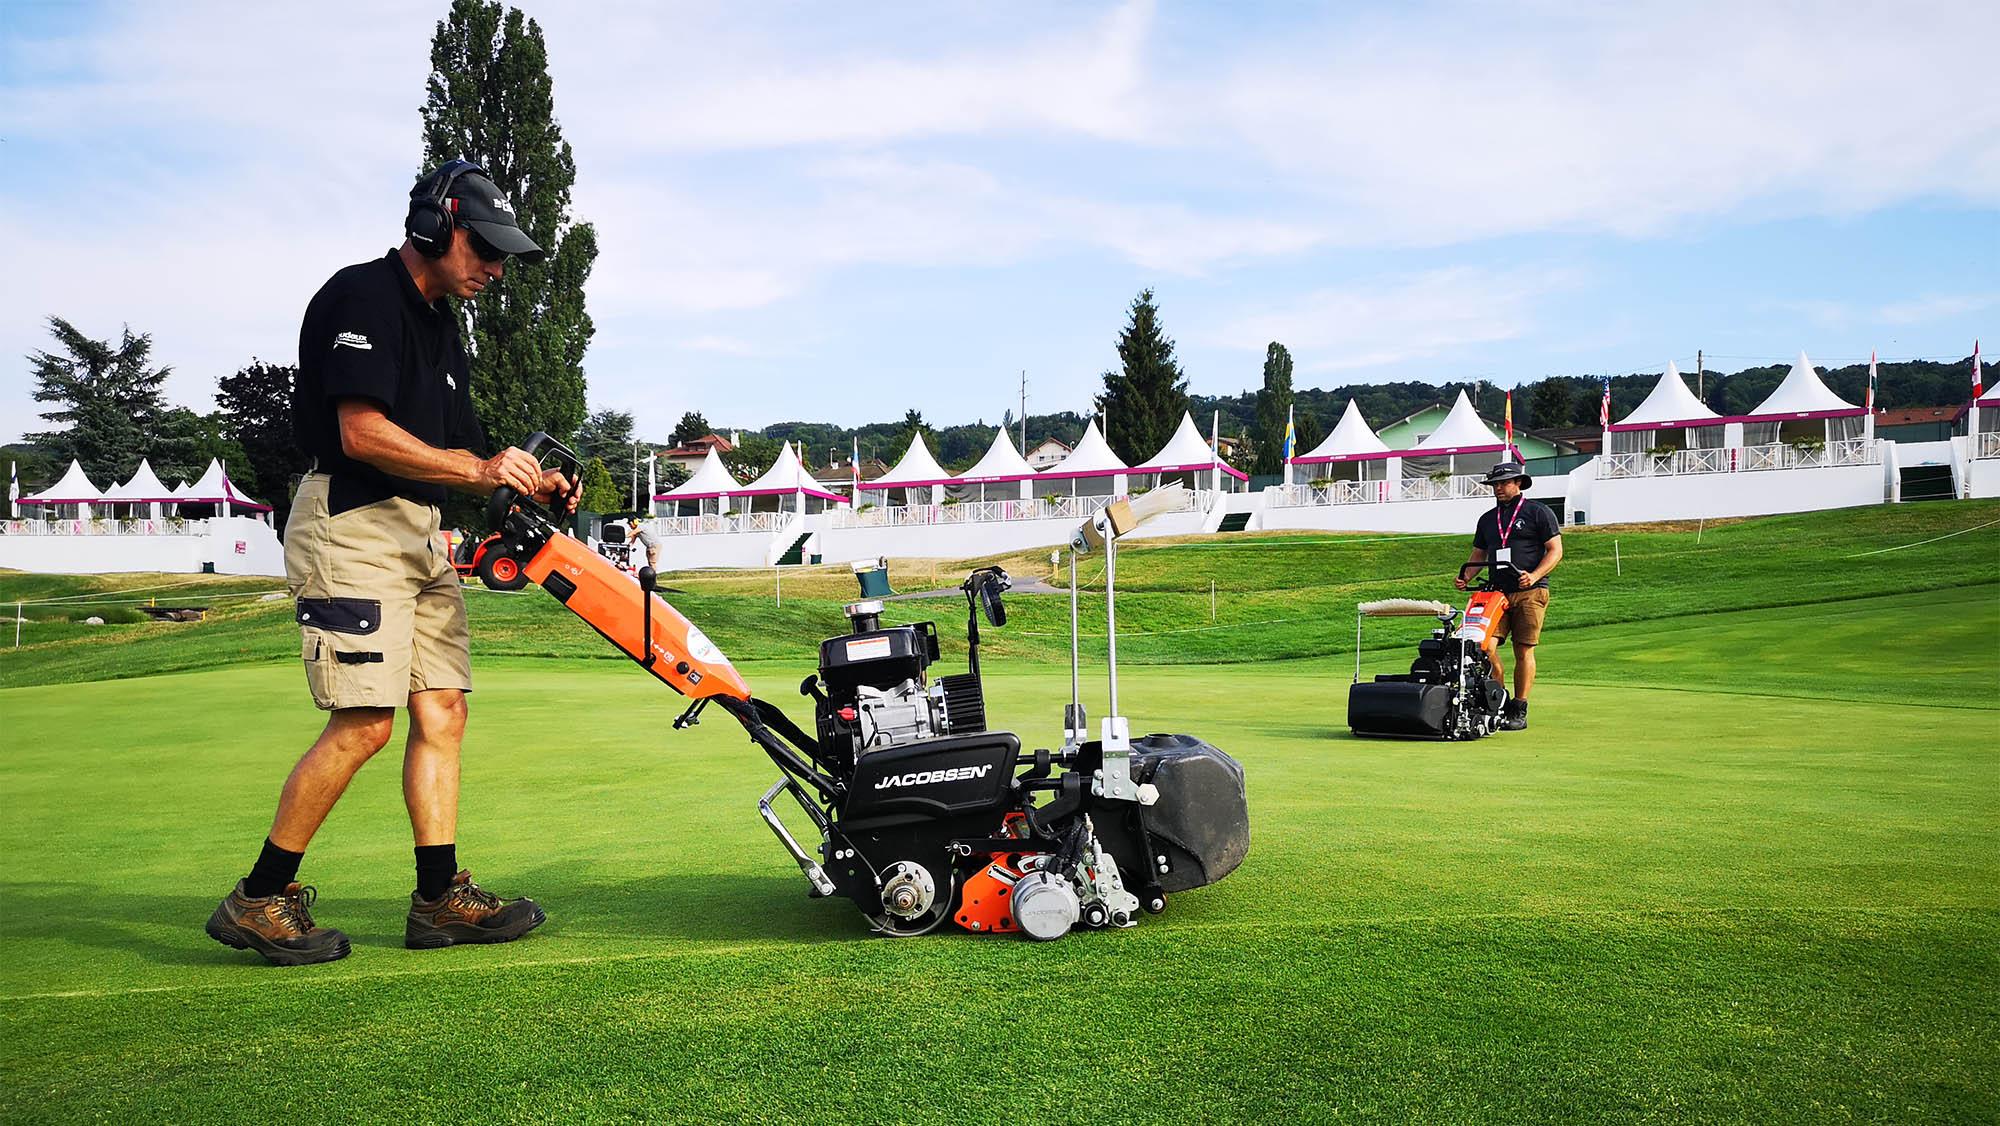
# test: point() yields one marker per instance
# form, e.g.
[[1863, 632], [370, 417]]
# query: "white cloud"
[[1393, 320], [1920, 310], [1475, 122]]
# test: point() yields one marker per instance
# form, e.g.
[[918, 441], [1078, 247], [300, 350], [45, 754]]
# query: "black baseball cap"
[[478, 204]]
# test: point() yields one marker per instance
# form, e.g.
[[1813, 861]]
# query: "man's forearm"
[[1551, 556], [370, 438]]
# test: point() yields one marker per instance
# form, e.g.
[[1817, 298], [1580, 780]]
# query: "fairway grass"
[[1741, 868], [1659, 903]]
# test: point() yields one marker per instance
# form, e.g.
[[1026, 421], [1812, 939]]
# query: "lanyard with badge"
[[1504, 556]]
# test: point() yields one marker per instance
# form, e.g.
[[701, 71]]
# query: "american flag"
[[1604, 406]]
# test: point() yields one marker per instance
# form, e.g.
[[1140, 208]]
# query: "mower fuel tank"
[[1399, 707], [1201, 822]]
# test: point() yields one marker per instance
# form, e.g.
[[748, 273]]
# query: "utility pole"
[[1024, 412]]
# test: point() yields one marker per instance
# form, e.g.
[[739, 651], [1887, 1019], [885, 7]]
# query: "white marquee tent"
[[1802, 409], [217, 489], [788, 477], [707, 491], [1187, 455], [1091, 469], [1462, 444], [1352, 452], [73, 491], [918, 475], [1001, 474], [1670, 417], [144, 490]]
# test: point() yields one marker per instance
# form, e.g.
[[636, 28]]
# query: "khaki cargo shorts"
[[376, 599], [1523, 620]]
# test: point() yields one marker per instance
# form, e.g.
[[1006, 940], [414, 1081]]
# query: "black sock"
[[275, 869], [436, 865]]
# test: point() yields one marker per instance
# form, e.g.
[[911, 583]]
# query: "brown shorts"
[[376, 599], [1523, 619]]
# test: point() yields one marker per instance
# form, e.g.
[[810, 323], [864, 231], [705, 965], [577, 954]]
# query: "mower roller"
[[1450, 691], [924, 816]]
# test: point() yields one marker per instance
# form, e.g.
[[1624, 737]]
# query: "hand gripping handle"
[[538, 446]]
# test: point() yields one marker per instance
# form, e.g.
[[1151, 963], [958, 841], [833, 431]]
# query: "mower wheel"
[[501, 571]]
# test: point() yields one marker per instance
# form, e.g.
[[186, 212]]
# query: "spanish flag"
[[1510, 421]]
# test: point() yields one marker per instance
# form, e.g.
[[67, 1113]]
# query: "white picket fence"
[[1989, 444], [1460, 486], [96, 527], [721, 523], [1743, 459]]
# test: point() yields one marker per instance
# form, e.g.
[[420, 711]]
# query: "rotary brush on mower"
[[924, 816], [1450, 691]]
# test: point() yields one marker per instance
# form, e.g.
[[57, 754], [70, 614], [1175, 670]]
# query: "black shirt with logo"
[[1528, 525], [369, 334]]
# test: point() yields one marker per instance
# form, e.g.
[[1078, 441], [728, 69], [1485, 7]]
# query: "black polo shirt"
[[369, 334], [1530, 525]]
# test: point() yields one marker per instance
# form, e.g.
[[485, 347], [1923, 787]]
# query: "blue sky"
[[840, 220]]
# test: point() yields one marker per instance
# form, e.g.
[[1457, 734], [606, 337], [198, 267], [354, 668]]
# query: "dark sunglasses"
[[487, 251]]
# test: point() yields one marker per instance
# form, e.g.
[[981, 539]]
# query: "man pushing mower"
[[1522, 540], [383, 404]]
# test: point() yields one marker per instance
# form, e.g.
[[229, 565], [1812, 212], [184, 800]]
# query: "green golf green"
[[1741, 867]]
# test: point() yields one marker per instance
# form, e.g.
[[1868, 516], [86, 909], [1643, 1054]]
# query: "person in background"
[[1522, 540]]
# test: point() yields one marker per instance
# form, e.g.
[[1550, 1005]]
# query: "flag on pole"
[[1871, 383], [13, 488], [652, 479], [854, 465], [1604, 407], [1978, 383], [1510, 420], [1290, 434]]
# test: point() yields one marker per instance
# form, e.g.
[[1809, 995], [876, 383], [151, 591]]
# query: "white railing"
[[978, 512], [1988, 444], [1743, 459], [1456, 487], [1640, 463], [95, 527], [720, 523]]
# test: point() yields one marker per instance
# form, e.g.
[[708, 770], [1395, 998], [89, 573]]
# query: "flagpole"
[[1215, 447], [1290, 409], [1972, 417]]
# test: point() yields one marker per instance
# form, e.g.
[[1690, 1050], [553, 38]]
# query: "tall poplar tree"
[[1142, 401], [489, 99], [1274, 401]]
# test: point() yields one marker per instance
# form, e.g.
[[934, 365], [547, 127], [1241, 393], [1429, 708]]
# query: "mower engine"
[[936, 820]]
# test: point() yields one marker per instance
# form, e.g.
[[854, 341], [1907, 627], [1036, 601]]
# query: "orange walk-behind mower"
[[925, 817], [1450, 691]]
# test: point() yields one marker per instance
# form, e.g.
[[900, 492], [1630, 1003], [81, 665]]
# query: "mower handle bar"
[[506, 496]]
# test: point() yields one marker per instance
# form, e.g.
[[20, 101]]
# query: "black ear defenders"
[[429, 223]]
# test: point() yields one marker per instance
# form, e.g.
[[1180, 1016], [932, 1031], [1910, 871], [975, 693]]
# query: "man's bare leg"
[[351, 738], [1524, 671], [430, 764], [447, 908]]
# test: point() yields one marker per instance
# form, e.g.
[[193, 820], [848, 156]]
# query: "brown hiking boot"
[[467, 912], [280, 927]]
